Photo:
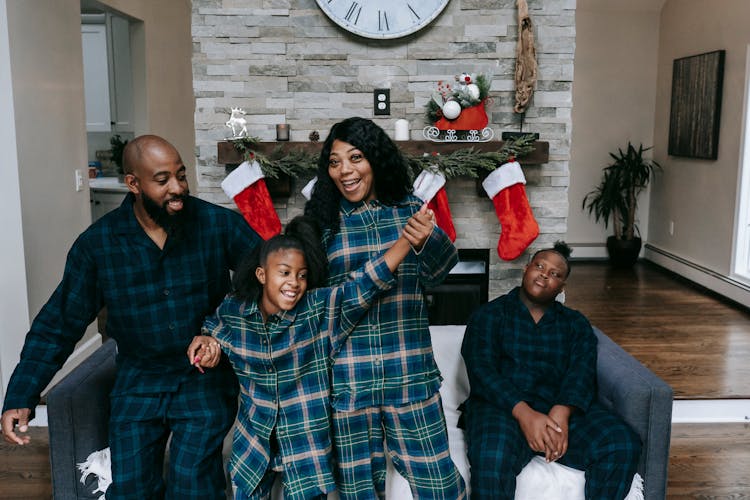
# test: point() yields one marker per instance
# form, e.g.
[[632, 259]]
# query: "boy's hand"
[[204, 351], [537, 428], [560, 414], [419, 227]]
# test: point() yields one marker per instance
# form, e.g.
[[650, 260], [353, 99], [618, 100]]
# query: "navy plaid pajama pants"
[[417, 442], [599, 443], [197, 417]]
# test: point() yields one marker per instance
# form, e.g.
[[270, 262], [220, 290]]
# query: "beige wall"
[[163, 72], [614, 95], [699, 195], [46, 88], [47, 76]]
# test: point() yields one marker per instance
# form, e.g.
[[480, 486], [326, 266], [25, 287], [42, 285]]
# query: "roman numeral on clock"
[[383, 21], [352, 15], [414, 12]]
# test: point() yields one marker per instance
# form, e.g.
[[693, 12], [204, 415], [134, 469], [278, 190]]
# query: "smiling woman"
[[385, 382]]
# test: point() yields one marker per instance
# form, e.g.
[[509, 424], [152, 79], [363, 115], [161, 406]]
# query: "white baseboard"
[[588, 251], [710, 411], [725, 286]]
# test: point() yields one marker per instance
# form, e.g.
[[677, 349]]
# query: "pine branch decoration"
[[293, 162], [469, 162], [466, 162]]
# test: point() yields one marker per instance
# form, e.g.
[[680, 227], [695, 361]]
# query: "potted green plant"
[[117, 147], [616, 199]]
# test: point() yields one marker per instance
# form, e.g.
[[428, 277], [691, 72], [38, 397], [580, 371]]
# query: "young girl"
[[281, 341]]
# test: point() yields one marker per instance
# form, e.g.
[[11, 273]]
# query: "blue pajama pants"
[[417, 441], [197, 417], [599, 443]]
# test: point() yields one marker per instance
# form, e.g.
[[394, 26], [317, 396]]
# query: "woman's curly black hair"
[[302, 233], [389, 168]]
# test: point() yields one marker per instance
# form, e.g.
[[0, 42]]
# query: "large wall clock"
[[382, 18]]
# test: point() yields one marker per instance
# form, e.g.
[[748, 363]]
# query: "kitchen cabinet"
[[96, 77], [107, 74]]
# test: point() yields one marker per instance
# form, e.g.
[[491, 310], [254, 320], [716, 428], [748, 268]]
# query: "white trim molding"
[[726, 286]]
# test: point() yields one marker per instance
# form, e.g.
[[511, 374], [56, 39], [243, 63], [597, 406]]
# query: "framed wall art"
[[695, 111]]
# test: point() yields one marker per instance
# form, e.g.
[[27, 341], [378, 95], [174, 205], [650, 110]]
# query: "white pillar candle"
[[402, 130]]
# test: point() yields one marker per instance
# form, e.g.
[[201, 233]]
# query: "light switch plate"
[[79, 180]]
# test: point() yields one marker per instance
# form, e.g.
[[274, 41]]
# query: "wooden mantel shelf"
[[229, 156]]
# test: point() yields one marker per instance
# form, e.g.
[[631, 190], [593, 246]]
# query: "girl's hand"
[[419, 227], [204, 352]]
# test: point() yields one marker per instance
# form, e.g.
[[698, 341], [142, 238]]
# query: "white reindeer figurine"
[[237, 123]]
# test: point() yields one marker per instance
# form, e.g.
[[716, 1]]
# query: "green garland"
[[294, 162], [469, 162], [466, 162]]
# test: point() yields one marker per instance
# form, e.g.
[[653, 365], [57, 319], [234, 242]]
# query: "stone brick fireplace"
[[284, 62]]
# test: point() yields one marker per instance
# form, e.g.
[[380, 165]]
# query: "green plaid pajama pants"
[[417, 443]]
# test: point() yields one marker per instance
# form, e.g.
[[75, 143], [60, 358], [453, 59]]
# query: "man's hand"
[[419, 227], [204, 352], [537, 428], [9, 420]]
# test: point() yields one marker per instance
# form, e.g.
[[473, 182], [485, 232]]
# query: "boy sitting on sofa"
[[531, 363]]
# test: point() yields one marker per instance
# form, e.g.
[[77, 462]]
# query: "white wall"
[[614, 95], [699, 196], [14, 305]]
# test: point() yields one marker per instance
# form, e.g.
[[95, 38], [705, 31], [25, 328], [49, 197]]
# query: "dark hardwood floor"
[[697, 343]]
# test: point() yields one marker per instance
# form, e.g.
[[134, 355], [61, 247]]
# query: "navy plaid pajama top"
[[156, 299], [510, 359]]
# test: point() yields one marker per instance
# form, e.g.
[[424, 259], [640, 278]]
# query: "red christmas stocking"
[[505, 186], [430, 188], [246, 186]]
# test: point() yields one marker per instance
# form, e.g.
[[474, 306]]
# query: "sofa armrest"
[[644, 401], [78, 416]]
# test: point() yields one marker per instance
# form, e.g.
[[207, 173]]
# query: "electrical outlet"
[[382, 101]]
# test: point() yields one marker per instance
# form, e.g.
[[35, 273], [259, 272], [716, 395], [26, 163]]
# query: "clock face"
[[382, 18]]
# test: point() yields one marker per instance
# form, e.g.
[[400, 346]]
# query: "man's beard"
[[174, 224]]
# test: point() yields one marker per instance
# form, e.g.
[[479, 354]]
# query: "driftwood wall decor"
[[696, 105]]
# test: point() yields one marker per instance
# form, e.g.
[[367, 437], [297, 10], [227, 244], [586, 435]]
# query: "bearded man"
[[159, 263]]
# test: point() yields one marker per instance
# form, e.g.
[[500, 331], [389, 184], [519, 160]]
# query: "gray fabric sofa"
[[78, 411]]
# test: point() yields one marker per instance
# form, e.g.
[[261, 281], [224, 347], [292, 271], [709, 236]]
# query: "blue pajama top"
[[510, 359], [156, 299]]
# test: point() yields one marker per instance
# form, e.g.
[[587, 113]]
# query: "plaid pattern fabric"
[[599, 442], [510, 359], [284, 370], [199, 414], [417, 442], [156, 299], [388, 357]]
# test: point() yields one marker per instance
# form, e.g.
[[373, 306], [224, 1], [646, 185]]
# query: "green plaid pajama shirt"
[[385, 380]]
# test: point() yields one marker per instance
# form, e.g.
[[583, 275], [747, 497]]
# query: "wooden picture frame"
[[695, 111]]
